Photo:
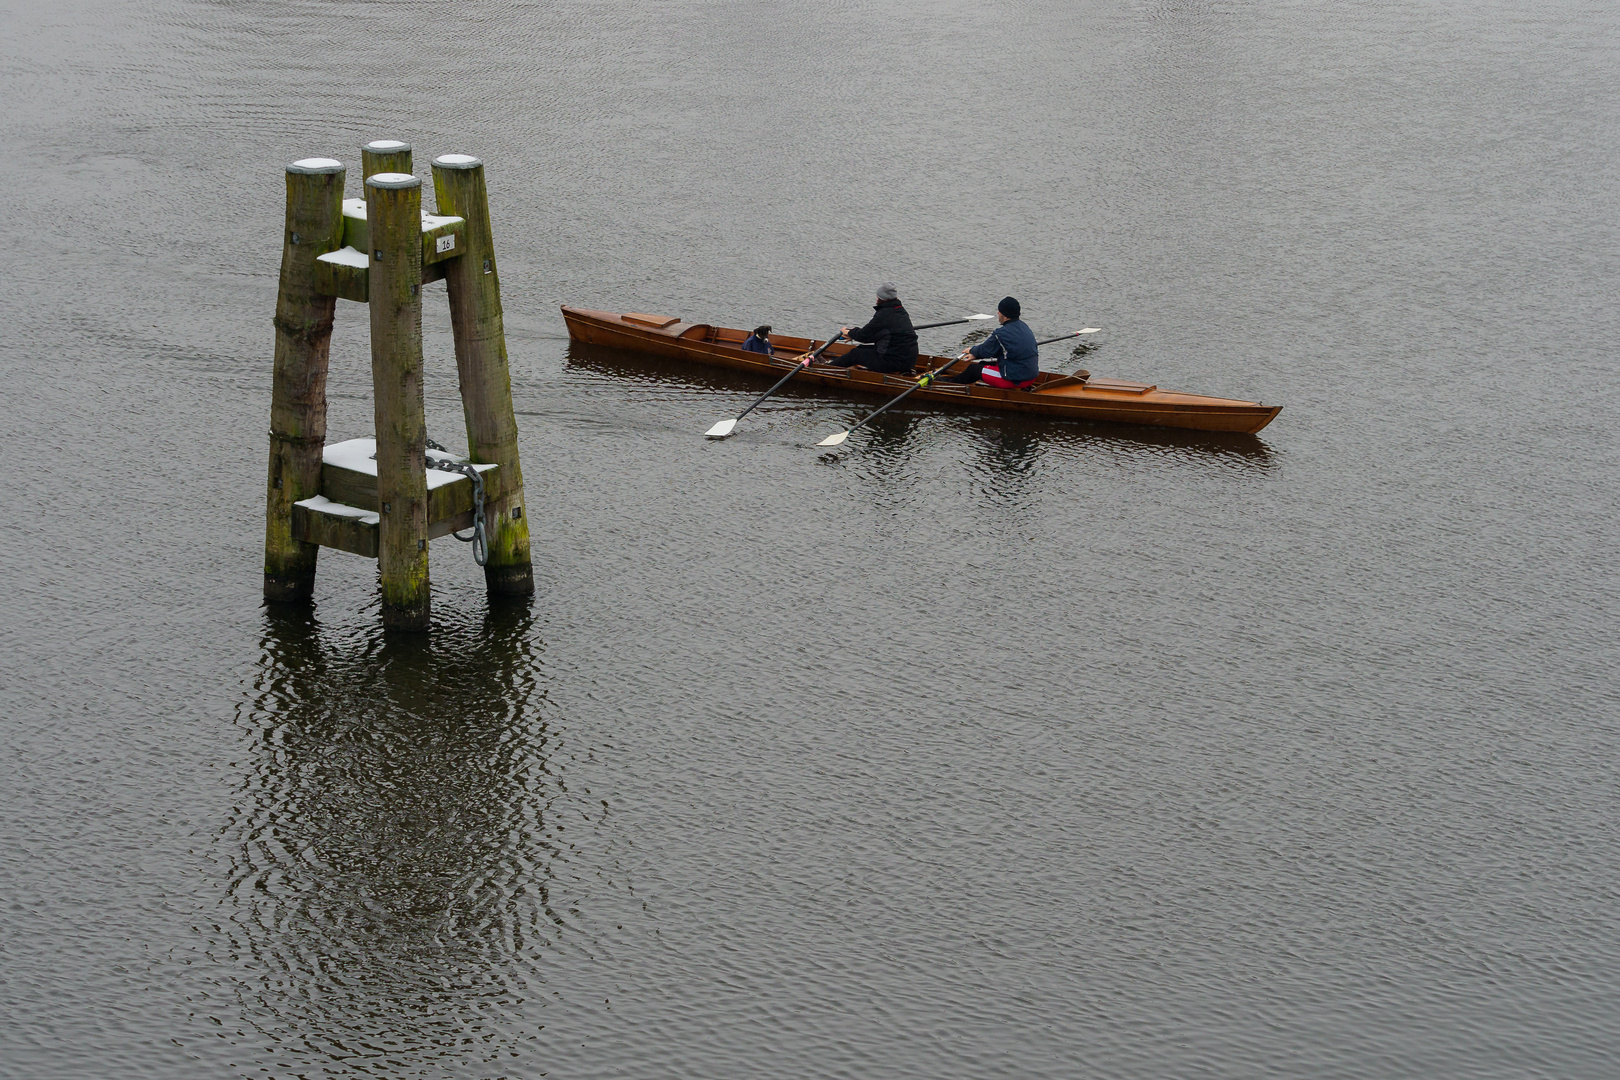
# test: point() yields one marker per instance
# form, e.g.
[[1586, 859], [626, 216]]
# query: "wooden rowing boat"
[[1113, 400]]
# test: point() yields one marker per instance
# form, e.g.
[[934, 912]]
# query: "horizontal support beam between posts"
[[442, 234], [449, 494], [349, 528], [334, 525], [346, 274], [346, 514]]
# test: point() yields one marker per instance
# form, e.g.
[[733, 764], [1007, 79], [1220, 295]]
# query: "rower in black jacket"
[[890, 342]]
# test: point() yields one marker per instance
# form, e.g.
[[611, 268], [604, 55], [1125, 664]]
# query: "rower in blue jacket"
[[1009, 358]]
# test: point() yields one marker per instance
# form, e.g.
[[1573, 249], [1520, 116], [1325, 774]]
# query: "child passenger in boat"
[[759, 341]]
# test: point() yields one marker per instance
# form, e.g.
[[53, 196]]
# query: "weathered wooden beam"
[[443, 237], [355, 232], [346, 528], [346, 514], [303, 322], [349, 477], [481, 362], [345, 274], [394, 213], [331, 524]]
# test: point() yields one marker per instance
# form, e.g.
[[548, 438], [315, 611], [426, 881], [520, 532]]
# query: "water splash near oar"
[[973, 337]]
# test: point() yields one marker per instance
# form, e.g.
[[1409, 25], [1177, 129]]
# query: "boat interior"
[[1050, 382]]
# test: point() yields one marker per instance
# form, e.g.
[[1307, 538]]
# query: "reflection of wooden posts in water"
[[381, 250], [486, 380]]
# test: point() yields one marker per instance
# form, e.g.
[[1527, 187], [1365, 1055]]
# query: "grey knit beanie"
[[887, 291]]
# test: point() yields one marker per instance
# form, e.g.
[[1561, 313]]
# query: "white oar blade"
[[722, 429], [834, 440], [978, 318], [1089, 330]]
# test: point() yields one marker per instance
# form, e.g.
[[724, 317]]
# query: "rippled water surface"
[[987, 748]]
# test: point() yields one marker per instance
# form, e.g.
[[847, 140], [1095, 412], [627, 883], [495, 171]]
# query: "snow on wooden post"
[[481, 362], [394, 213], [303, 323], [385, 155]]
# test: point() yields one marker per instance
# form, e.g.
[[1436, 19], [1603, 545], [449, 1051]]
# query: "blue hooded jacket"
[[1012, 344]]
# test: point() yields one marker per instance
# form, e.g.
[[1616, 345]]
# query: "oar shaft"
[[798, 366], [928, 378], [881, 410], [824, 345], [922, 381], [948, 322]]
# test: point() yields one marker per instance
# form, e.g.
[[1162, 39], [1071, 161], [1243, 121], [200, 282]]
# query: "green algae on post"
[[394, 211], [303, 323], [481, 362]]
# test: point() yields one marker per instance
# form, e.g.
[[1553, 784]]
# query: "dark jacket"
[[890, 330], [755, 344], [1012, 346]]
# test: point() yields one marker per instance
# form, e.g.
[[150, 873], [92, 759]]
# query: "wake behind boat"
[[1112, 400]]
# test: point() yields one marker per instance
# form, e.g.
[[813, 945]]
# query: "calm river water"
[[984, 749]]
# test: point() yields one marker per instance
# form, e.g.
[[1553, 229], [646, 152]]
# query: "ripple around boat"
[[1112, 400]]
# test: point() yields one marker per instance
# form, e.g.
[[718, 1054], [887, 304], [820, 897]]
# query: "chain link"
[[480, 536]]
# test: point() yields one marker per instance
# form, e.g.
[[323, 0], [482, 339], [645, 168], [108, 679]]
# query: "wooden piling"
[[481, 362], [394, 213], [385, 156], [303, 322]]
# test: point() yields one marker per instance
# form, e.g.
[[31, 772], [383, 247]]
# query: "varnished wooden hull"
[[1111, 400]]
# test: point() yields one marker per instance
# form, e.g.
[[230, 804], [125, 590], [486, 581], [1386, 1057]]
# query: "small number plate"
[[445, 243]]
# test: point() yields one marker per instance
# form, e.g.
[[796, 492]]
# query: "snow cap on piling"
[[386, 146], [315, 166], [393, 180], [457, 161]]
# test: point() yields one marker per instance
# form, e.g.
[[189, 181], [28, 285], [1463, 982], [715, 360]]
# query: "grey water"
[[985, 748]]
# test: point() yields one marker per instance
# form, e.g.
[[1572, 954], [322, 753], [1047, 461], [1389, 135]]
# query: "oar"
[[954, 322], [725, 427], [838, 439], [1077, 373], [1070, 334]]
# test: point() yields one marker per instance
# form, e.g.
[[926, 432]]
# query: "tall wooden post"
[[394, 213], [486, 380], [298, 396], [385, 155]]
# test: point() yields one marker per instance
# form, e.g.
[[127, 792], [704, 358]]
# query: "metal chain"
[[480, 537]]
